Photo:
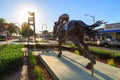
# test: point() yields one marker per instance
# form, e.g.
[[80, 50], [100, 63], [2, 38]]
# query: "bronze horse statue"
[[75, 30]]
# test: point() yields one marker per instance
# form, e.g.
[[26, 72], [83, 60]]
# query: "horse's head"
[[55, 28]]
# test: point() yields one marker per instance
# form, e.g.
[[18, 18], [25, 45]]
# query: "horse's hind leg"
[[77, 43], [83, 51], [90, 56], [87, 54]]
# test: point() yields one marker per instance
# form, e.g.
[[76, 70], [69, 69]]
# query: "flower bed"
[[36, 69]]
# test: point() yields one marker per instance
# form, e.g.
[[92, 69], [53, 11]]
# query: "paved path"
[[71, 67]]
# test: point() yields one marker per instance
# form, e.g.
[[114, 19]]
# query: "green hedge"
[[103, 54], [2, 47], [11, 58], [31, 46], [91, 43]]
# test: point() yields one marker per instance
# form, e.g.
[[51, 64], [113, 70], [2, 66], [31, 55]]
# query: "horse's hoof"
[[89, 66], [58, 55]]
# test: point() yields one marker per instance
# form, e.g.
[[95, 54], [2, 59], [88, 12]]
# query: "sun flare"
[[22, 14], [22, 11]]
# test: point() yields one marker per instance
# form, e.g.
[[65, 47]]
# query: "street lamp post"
[[42, 29], [93, 17]]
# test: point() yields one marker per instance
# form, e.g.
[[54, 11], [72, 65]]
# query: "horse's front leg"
[[59, 48]]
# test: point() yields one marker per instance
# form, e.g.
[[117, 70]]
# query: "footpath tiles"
[[72, 67]]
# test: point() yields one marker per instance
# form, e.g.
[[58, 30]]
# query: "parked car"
[[108, 43]]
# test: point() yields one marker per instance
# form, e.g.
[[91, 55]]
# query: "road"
[[103, 48], [55, 42], [7, 42]]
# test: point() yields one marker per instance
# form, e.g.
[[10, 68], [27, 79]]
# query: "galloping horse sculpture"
[[75, 30]]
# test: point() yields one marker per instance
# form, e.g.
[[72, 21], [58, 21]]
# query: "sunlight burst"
[[22, 15]]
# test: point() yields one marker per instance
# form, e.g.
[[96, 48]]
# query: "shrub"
[[31, 59], [10, 56], [37, 73], [91, 43], [103, 54], [2, 47], [116, 57], [111, 62], [77, 52], [36, 69]]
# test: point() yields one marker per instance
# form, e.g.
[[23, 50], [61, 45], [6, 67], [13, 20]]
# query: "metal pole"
[[42, 32], [93, 20], [6, 37], [34, 26], [93, 17], [34, 30], [42, 29], [28, 33]]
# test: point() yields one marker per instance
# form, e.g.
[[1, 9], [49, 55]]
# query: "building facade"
[[111, 31]]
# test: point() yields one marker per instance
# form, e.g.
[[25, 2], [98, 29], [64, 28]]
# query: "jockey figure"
[[62, 20]]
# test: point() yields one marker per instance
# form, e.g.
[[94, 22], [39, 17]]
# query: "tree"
[[24, 30], [13, 29], [2, 20]]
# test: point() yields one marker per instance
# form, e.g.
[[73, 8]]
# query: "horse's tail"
[[98, 23]]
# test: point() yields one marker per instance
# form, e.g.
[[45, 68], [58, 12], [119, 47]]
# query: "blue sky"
[[48, 11]]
